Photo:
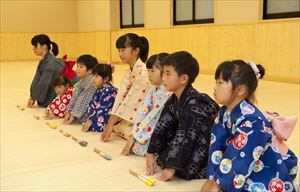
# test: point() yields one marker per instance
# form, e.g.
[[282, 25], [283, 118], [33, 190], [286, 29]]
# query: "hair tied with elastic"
[[111, 66], [255, 69]]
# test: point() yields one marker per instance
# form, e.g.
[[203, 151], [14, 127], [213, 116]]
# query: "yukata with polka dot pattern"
[[59, 105]]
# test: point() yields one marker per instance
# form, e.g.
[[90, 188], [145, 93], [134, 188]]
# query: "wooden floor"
[[35, 157]]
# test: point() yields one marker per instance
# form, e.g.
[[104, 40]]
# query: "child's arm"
[[150, 164], [127, 148], [113, 119]]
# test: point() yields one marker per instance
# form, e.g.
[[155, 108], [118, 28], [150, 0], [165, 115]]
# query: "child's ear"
[[106, 79], [184, 79], [242, 91], [90, 71]]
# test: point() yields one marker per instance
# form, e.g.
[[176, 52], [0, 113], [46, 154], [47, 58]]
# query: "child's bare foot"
[[86, 125]]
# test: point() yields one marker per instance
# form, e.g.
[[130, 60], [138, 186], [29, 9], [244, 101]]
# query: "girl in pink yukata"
[[133, 50], [64, 91], [149, 113]]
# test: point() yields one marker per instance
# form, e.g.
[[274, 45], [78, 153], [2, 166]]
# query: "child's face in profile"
[[171, 80], [128, 55], [154, 75], [81, 71], [223, 91], [37, 49], [60, 90], [98, 81]]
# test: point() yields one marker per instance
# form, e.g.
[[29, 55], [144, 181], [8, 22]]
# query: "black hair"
[[156, 60], [134, 41], [88, 60], [61, 80], [104, 70], [240, 73], [184, 64], [45, 40]]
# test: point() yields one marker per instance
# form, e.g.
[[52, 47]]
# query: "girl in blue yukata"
[[103, 100], [242, 155], [149, 113]]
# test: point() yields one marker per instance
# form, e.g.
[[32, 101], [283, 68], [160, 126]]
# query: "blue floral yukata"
[[242, 156], [100, 107]]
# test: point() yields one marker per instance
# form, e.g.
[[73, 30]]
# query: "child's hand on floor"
[[166, 174], [49, 115], [127, 148], [30, 103], [210, 186], [106, 133], [67, 117], [86, 125], [151, 164], [70, 121]]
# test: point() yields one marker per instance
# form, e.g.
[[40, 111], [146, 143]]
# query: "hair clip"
[[111, 66]]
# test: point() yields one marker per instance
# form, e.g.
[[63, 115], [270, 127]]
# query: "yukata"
[[100, 106], [182, 134], [41, 89], [83, 94], [242, 156], [59, 105], [133, 89], [148, 116]]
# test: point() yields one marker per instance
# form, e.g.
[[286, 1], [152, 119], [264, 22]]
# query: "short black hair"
[[61, 80], [184, 64], [240, 73], [88, 60], [104, 70]]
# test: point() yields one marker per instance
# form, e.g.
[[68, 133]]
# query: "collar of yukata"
[[240, 110]]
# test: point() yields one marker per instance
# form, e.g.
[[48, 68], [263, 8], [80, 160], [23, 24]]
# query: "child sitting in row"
[[242, 155], [102, 102], [133, 50], [64, 91], [84, 91], [149, 113], [181, 138], [41, 90]]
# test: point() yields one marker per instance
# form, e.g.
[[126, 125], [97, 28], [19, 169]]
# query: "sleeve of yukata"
[[143, 112], [107, 101], [217, 146], [246, 147], [53, 104], [128, 108], [83, 100], [122, 92], [93, 104], [192, 125], [166, 125], [76, 93], [41, 84]]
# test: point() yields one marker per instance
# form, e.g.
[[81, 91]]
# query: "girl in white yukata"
[[133, 50], [148, 115]]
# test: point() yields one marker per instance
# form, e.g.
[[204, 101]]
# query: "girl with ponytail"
[[133, 50], [48, 68]]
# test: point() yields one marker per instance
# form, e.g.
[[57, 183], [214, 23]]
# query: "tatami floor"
[[35, 157]]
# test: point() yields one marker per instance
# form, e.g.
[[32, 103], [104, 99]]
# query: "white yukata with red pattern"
[[133, 89], [59, 105]]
